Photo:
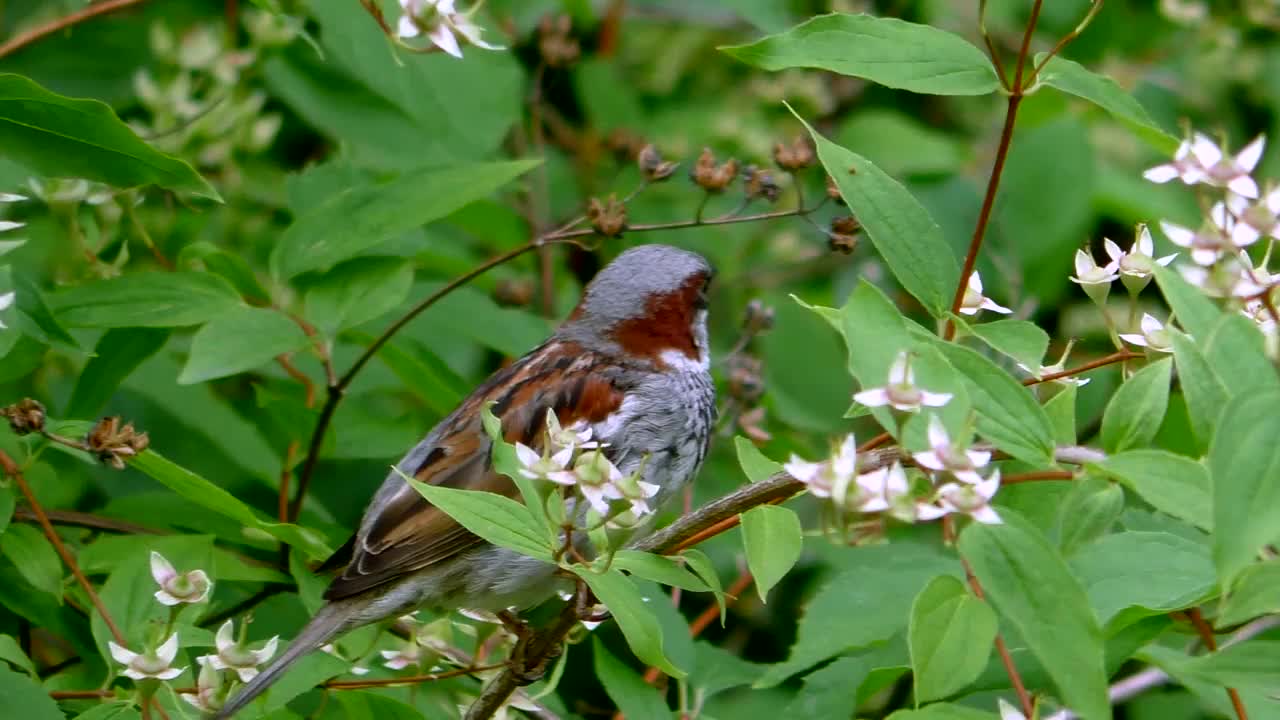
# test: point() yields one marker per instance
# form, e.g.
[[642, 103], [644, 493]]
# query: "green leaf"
[[372, 706], [421, 372], [154, 299], [659, 569], [1196, 313], [7, 503], [1172, 483], [943, 711], [874, 331], [702, 566], [1088, 511], [117, 710], [11, 652], [880, 581], [1244, 462], [356, 292], [907, 238], [1248, 666], [900, 144], [500, 520], [1008, 414], [888, 51], [355, 220], [1136, 410], [754, 463], [1061, 410], [1201, 387], [309, 672], [1256, 592], [118, 353], [1021, 340], [773, 539], [35, 558], [950, 634], [20, 696], [1028, 581], [1074, 78], [635, 698], [638, 623], [58, 136], [1173, 573], [1234, 349], [205, 494], [205, 256], [239, 340]]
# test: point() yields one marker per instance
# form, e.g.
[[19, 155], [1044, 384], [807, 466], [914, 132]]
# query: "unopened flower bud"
[[759, 183], [608, 218], [25, 416], [712, 177], [833, 191], [843, 236], [758, 319], [746, 380], [652, 166], [556, 44], [796, 156], [111, 442]]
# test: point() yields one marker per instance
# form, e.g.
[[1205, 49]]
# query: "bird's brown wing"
[[407, 533]]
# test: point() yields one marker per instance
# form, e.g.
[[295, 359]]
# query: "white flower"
[[175, 587], [595, 476], [1154, 335], [1094, 279], [575, 437], [878, 490], [1184, 167], [945, 456], [7, 225], [442, 22], [537, 466], [410, 653], [152, 664], [1137, 265], [637, 492], [823, 477], [1209, 242], [973, 500], [208, 695], [332, 650], [232, 655], [6, 301], [1200, 160], [974, 301], [1009, 712], [11, 197], [901, 392], [1057, 368], [1233, 276], [1251, 220]]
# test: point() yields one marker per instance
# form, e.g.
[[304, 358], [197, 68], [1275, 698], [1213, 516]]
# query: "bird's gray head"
[[650, 302]]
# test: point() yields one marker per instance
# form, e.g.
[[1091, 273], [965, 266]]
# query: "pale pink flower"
[[155, 663], [442, 23], [1154, 335], [232, 655], [974, 301], [973, 500], [945, 456], [175, 588], [822, 477], [1136, 265], [901, 392], [208, 696]]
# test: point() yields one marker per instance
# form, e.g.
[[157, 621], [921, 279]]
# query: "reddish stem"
[[1205, 631], [1006, 659], [1037, 475], [22, 40], [1111, 359]]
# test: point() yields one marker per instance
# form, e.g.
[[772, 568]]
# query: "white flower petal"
[[134, 674], [930, 460], [1164, 261], [975, 282], [407, 28], [225, 638], [122, 655], [442, 37], [875, 397], [938, 437], [1113, 250], [169, 674], [978, 458], [802, 469], [1143, 245], [929, 511], [987, 488], [1243, 185], [933, 399], [247, 673], [6, 225], [1133, 339], [900, 370], [12, 197], [1161, 173], [1084, 263], [989, 304], [527, 456], [986, 515], [161, 569], [164, 598], [595, 496], [1205, 151], [168, 650], [268, 650], [1178, 235], [1250, 154], [1149, 324]]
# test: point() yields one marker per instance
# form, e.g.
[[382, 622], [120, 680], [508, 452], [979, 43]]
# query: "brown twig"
[[1111, 359], [22, 40], [1006, 659], [1094, 8], [86, 520], [308, 387], [997, 170], [80, 694], [1037, 475], [12, 470], [409, 679], [1205, 631]]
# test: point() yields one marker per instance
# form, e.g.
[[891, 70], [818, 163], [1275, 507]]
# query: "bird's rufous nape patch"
[[666, 325]]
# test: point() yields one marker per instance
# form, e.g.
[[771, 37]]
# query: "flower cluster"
[[570, 457], [951, 481], [442, 24], [1242, 213]]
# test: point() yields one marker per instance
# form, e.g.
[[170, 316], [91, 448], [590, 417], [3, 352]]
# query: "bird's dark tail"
[[331, 621]]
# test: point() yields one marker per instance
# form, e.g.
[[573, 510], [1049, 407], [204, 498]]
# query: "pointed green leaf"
[[754, 463], [773, 540], [1174, 573], [1021, 340], [950, 634], [659, 569], [1172, 483], [1201, 387], [1136, 410], [20, 696], [1244, 462], [1256, 593], [1074, 78], [1008, 413], [157, 299], [500, 520], [635, 698], [637, 621], [239, 340]]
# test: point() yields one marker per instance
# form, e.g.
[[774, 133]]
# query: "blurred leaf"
[[118, 353], [772, 538], [950, 634], [357, 291], [810, 390], [422, 372], [907, 238], [369, 705], [1021, 340], [888, 51], [1134, 414], [875, 333], [1235, 349], [1195, 312], [234, 268], [58, 136], [1008, 414], [716, 669], [900, 144], [307, 673], [345, 224], [468, 313], [659, 569], [880, 581], [943, 711], [157, 299], [1027, 580], [1172, 483], [1074, 78], [500, 520], [754, 463], [638, 624], [21, 696], [1175, 573], [1089, 510], [7, 502], [1256, 592], [609, 99], [29, 551], [633, 696], [11, 652], [1203, 390], [239, 340], [702, 566], [1244, 461], [1248, 665]]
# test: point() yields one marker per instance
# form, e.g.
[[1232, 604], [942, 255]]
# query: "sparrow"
[[631, 362]]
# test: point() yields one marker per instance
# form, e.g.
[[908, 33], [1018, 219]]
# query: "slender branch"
[[308, 387], [86, 520], [681, 224], [22, 40], [997, 170], [1094, 8], [410, 679], [1037, 475], [1211, 643], [991, 46], [80, 694], [1006, 659], [1113, 358], [11, 469]]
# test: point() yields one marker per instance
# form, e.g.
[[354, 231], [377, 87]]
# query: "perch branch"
[[21, 40]]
